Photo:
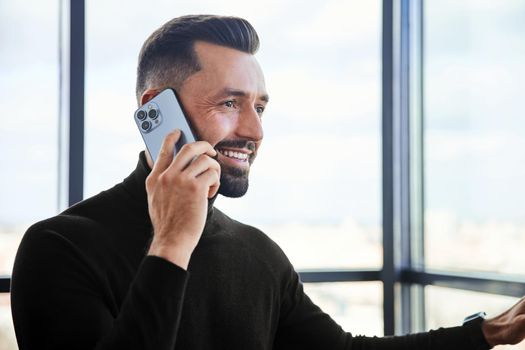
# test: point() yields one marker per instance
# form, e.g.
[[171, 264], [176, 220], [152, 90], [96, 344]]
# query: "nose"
[[249, 125]]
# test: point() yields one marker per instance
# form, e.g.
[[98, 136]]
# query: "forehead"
[[225, 67]]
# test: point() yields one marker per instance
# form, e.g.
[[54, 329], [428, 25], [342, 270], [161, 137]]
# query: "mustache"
[[247, 144]]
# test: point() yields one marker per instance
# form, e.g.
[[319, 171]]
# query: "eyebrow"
[[240, 93]]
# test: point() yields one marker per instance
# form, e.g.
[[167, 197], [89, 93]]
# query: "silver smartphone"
[[159, 116]]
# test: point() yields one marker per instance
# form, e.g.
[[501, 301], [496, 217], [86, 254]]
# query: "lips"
[[242, 155]]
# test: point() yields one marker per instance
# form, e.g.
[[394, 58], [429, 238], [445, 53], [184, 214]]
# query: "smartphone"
[[158, 117]]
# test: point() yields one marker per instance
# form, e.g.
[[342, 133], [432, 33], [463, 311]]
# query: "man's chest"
[[232, 299]]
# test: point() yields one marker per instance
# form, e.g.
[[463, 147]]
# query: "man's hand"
[[507, 328], [178, 191]]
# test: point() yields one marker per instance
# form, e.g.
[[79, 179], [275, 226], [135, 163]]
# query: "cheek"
[[214, 128], [257, 145]]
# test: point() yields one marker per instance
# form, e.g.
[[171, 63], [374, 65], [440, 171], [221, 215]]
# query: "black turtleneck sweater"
[[83, 280]]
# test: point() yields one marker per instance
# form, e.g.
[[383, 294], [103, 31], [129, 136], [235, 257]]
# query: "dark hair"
[[168, 57]]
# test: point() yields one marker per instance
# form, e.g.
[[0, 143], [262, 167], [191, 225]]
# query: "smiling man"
[[225, 99], [151, 264]]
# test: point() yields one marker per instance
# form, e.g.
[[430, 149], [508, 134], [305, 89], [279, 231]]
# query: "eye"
[[259, 109], [230, 103]]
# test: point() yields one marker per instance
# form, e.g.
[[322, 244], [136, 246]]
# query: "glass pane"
[[474, 136], [460, 304], [7, 330], [29, 103], [355, 306], [315, 187]]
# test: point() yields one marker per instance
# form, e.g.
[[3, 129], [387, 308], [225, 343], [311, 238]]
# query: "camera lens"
[[146, 125], [141, 115], [153, 113]]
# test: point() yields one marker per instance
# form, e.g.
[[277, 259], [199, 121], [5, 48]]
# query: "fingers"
[[189, 151], [165, 156], [201, 164], [212, 191], [184, 157], [210, 179], [207, 171], [191, 162]]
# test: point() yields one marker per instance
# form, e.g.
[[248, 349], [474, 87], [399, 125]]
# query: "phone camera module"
[[141, 115], [145, 125], [153, 113]]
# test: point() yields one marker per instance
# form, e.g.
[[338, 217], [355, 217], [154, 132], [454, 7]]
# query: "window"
[[355, 306], [471, 72], [29, 74], [460, 303], [321, 153], [315, 186], [440, 130], [474, 131]]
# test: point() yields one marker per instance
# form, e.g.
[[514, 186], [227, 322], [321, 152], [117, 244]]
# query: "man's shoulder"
[[93, 221], [91, 211], [71, 222]]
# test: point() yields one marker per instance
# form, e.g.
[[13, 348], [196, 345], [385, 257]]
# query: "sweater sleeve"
[[303, 325], [57, 302]]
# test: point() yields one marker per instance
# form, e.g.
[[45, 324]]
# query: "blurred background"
[[323, 180]]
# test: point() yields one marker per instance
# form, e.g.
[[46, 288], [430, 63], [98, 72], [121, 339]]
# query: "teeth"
[[236, 155]]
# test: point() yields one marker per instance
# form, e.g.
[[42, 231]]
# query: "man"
[[151, 264]]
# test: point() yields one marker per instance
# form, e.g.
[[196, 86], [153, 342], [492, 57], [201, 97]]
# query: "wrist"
[[178, 253], [473, 325], [492, 332]]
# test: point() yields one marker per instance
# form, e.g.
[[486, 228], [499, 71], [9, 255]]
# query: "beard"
[[234, 181]]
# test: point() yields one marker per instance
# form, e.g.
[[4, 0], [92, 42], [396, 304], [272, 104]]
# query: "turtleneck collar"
[[135, 186]]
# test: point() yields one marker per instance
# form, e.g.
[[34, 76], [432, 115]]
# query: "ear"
[[147, 95]]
